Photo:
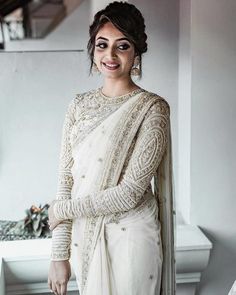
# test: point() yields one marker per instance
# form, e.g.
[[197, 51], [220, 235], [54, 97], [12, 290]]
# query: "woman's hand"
[[52, 221], [58, 276]]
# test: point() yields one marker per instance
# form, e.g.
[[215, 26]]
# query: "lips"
[[111, 65]]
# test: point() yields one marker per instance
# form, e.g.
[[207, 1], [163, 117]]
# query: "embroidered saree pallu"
[[122, 233]]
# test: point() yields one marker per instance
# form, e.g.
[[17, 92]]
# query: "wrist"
[[60, 261], [58, 210]]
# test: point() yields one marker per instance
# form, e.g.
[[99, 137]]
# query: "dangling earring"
[[95, 68], [135, 71]]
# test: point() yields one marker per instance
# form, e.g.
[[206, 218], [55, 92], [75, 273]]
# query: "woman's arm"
[[146, 156], [61, 235]]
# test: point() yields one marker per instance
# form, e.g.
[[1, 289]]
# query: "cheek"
[[129, 59], [129, 56], [97, 54]]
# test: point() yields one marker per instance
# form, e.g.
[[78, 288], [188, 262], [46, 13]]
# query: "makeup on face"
[[113, 53], [102, 43]]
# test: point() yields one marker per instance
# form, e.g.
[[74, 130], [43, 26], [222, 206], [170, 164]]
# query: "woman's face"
[[114, 53]]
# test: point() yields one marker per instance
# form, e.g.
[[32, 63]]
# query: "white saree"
[[122, 233]]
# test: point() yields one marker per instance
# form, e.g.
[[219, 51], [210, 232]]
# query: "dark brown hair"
[[127, 19]]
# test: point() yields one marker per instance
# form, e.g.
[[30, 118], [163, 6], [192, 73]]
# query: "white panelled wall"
[[213, 137]]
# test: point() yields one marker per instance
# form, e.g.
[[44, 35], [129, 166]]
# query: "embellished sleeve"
[[149, 148], [61, 235]]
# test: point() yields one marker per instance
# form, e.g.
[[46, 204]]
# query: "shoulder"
[[85, 96], [158, 115], [160, 104], [81, 100]]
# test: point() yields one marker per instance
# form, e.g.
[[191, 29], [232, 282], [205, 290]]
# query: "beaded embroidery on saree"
[[122, 138]]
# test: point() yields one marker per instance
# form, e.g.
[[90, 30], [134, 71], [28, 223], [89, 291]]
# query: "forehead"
[[109, 31]]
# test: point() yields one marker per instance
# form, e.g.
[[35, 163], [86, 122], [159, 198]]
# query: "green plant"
[[35, 223]]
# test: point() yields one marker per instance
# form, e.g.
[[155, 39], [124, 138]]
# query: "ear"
[[136, 60]]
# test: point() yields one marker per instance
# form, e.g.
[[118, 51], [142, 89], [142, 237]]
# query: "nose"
[[111, 52]]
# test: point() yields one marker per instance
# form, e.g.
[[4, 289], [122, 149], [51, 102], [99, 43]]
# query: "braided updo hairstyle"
[[127, 19]]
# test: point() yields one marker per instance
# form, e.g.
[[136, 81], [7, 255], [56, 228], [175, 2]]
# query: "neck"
[[119, 87]]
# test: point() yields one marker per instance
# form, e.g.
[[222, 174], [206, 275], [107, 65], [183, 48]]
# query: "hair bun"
[[129, 19]]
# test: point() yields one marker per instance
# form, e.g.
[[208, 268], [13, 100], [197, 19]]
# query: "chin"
[[115, 75], [111, 75]]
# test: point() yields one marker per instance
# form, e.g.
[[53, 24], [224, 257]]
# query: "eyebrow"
[[119, 39]]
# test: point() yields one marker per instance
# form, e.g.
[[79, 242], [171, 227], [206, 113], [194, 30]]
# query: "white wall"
[[36, 88], [184, 110], [35, 91], [213, 137]]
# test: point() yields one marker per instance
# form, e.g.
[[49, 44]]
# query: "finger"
[[63, 288], [54, 289], [49, 284], [58, 289]]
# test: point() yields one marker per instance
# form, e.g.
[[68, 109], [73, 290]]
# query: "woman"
[[117, 233]]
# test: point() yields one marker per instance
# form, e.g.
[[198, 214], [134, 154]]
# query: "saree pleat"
[[136, 256]]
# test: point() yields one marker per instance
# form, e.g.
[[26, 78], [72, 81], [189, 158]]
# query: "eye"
[[101, 45], [124, 46]]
